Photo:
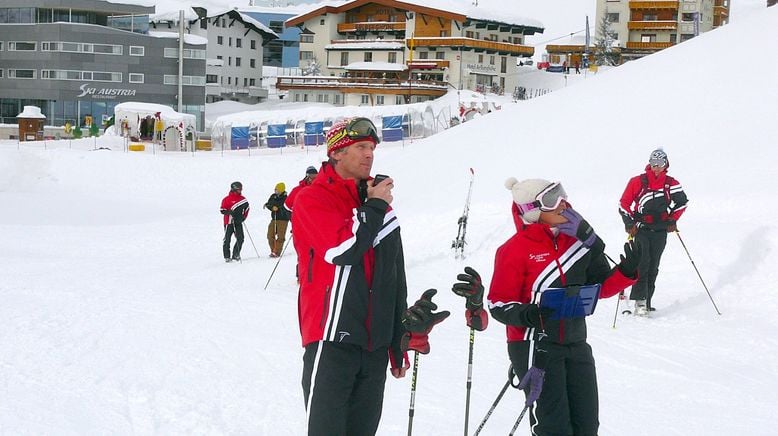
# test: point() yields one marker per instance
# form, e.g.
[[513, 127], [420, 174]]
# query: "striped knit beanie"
[[337, 137]]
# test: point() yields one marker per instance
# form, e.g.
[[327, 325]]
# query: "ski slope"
[[120, 317]]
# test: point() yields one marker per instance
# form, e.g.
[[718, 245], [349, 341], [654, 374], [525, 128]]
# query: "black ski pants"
[[343, 385], [568, 404], [652, 245], [229, 229]]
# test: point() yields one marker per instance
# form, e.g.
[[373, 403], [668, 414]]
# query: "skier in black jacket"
[[279, 220]]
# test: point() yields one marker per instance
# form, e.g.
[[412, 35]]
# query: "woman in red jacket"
[[554, 247]]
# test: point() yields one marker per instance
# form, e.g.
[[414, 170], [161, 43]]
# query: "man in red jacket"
[[310, 174], [352, 301], [235, 209], [554, 247], [651, 205]]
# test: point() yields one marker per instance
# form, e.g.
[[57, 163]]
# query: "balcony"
[[649, 45], [474, 44], [641, 5], [652, 25], [427, 64], [362, 85], [376, 26], [564, 48]]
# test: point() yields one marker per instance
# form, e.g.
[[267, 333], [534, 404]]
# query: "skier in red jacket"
[[310, 174], [235, 209], [651, 205], [352, 301], [554, 247]]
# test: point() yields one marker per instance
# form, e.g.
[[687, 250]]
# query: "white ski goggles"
[[547, 200]]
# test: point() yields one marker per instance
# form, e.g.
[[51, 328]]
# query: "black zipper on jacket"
[[325, 306]]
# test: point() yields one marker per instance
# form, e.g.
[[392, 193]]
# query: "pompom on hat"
[[525, 192]]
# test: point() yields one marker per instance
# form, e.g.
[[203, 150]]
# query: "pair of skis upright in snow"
[[458, 244]]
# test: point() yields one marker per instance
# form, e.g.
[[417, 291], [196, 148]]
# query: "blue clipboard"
[[570, 302]]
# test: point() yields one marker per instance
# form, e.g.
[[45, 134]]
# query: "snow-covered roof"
[[246, 19], [373, 45], [166, 112], [188, 38], [31, 112], [375, 66], [189, 14]]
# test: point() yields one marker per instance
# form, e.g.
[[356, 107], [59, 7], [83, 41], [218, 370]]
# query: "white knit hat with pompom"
[[525, 192]]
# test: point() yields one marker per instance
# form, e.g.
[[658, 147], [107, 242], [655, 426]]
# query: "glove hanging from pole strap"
[[419, 320]]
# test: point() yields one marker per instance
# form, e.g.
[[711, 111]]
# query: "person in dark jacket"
[[352, 302], [554, 247], [651, 205], [279, 220], [235, 209]]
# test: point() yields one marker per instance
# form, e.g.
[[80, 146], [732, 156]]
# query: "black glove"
[[225, 211], [672, 227], [471, 288], [534, 316], [418, 321], [630, 259]]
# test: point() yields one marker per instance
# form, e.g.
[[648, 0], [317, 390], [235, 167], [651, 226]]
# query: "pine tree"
[[604, 53]]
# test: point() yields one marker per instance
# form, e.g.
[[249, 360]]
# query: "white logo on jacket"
[[539, 258], [343, 335]]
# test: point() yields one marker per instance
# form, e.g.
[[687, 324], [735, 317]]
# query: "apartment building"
[[79, 58], [383, 52], [284, 51], [645, 27]]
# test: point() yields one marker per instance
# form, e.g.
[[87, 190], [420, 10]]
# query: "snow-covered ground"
[[119, 316]]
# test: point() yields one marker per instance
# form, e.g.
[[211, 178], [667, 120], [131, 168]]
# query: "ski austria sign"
[[104, 93]]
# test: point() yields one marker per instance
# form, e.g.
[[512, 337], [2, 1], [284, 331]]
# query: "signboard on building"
[[104, 93], [481, 68]]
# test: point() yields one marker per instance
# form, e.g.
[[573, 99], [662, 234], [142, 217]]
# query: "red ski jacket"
[[289, 203], [534, 260], [236, 207], [352, 272], [651, 201]]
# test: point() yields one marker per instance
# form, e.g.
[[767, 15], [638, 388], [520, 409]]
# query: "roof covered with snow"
[[166, 112], [31, 112], [375, 66], [372, 45]]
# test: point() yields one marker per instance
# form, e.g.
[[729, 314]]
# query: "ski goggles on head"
[[547, 200], [358, 129]]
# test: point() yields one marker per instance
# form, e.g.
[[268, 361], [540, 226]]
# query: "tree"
[[313, 68], [604, 52]]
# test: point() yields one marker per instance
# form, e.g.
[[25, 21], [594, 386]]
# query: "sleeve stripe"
[[334, 252]]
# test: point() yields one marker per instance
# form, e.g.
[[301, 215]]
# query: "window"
[[424, 55], [229, 61], [344, 59], [229, 41], [491, 60], [1, 73], [368, 56], [379, 100], [238, 42], [398, 99], [649, 17], [503, 64], [320, 98], [306, 55], [296, 97], [220, 40], [204, 24], [687, 16], [189, 53], [136, 78], [224, 22], [229, 80], [253, 44], [276, 26], [1, 45], [306, 38], [21, 46], [440, 55], [480, 59], [469, 34], [365, 99], [321, 22], [392, 58], [170, 79], [252, 63], [684, 37], [137, 50], [237, 62], [613, 17], [245, 82], [337, 98], [305, 97], [21, 74], [445, 33], [252, 82], [648, 38], [493, 37], [211, 78]]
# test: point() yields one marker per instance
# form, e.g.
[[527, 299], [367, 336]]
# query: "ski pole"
[[283, 250], [516, 425], [618, 301], [246, 228], [469, 378], [496, 401], [413, 392], [698, 272]]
